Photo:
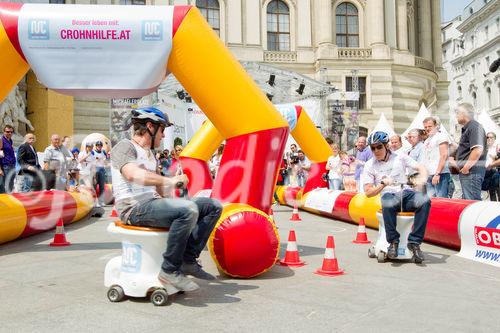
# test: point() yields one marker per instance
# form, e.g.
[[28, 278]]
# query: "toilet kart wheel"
[[371, 252], [116, 294], [159, 297], [381, 257]]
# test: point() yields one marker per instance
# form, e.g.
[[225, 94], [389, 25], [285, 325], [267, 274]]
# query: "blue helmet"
[[151, 114], [378, 137]]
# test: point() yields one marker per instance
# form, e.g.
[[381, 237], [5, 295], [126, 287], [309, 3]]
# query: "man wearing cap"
[[86, 161], [143, 198], [101, 162]]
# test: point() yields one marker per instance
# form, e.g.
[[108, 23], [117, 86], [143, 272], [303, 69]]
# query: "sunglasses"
[[377, 147]]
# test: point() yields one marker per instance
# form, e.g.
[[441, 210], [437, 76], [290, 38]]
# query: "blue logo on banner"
[[131, 257], [152, 30], [38, 29]]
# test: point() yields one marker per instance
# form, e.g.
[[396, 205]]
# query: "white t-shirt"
[[429, 156], [334, 165], [100, 158], [129, 194], [86, 165], [395, 168], [491, 154]]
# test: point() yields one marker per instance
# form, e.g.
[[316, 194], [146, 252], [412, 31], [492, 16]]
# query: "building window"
[[473, 69], [486, 32], [211, 12], [498, 22], [471, 11], [487, 59], [347, 31], [133, 2], [278, 26], [444, 55], [488, 97], [58, 1], [459, 91], [474, 99], [472, 42], [361, 89]]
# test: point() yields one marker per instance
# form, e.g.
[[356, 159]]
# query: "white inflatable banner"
[[480, 233], [73, 48], [322, 199]]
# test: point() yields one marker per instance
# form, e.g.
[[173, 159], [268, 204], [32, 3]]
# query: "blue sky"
[[452, 8]]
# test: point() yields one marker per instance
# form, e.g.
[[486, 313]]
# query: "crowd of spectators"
[[61, 168], [473, 161]]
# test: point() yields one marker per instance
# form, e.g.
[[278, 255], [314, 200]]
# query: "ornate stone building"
[[395, 46], [471, 42]]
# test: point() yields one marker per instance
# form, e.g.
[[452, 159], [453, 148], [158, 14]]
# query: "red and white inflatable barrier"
[[473, 227]]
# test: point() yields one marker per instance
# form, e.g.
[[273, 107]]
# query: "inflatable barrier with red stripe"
[[25, 214]]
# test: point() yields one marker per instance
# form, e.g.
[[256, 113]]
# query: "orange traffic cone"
[[330, 265], [295, 214], [361, 236], [292, 254], [114, 213], [60, 237]]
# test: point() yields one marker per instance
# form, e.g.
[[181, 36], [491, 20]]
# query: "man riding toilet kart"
[[385, 174], [143, 198]]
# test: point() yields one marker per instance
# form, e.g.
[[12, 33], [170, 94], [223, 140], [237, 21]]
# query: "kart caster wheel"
[[381, 257], [371, 253], [116, 294], [159, 297]]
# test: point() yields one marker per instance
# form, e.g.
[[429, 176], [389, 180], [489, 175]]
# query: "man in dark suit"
[[28, 160]]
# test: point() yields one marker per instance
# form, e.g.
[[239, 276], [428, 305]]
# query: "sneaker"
[[196, 271], [178, 280], [418, 255], [392, 250]]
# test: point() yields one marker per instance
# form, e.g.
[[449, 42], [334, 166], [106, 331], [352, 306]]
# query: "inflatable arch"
[[126, 51]]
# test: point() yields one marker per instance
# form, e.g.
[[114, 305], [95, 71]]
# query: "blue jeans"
[[7, 179], [471, 184], [334, 184], [100, 177], [27, 181], [412, 202], [190, 223], [439, 190]]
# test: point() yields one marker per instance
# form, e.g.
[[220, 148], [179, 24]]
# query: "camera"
[[294, 158]]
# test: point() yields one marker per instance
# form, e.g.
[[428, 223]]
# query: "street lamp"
[[338, 125]]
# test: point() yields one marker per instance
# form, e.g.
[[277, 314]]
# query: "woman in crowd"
[[333, 166], [175, 168], [215, 161], [348, 170], [491, 178]]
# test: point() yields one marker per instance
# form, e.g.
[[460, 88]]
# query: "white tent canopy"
[[489, 125], [384, 126]]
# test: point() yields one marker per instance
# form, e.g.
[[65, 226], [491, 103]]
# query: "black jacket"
[[26, 156]]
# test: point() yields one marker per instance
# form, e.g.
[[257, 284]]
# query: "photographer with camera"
[[385, 174]]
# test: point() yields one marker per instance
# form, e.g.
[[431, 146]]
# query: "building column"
[[424, 28], [376, 31], [402, 25], [376, 13], [326, 47], [49, 112], [436, 34]]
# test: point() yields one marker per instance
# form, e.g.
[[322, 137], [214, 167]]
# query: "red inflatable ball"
[[245, 242]]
